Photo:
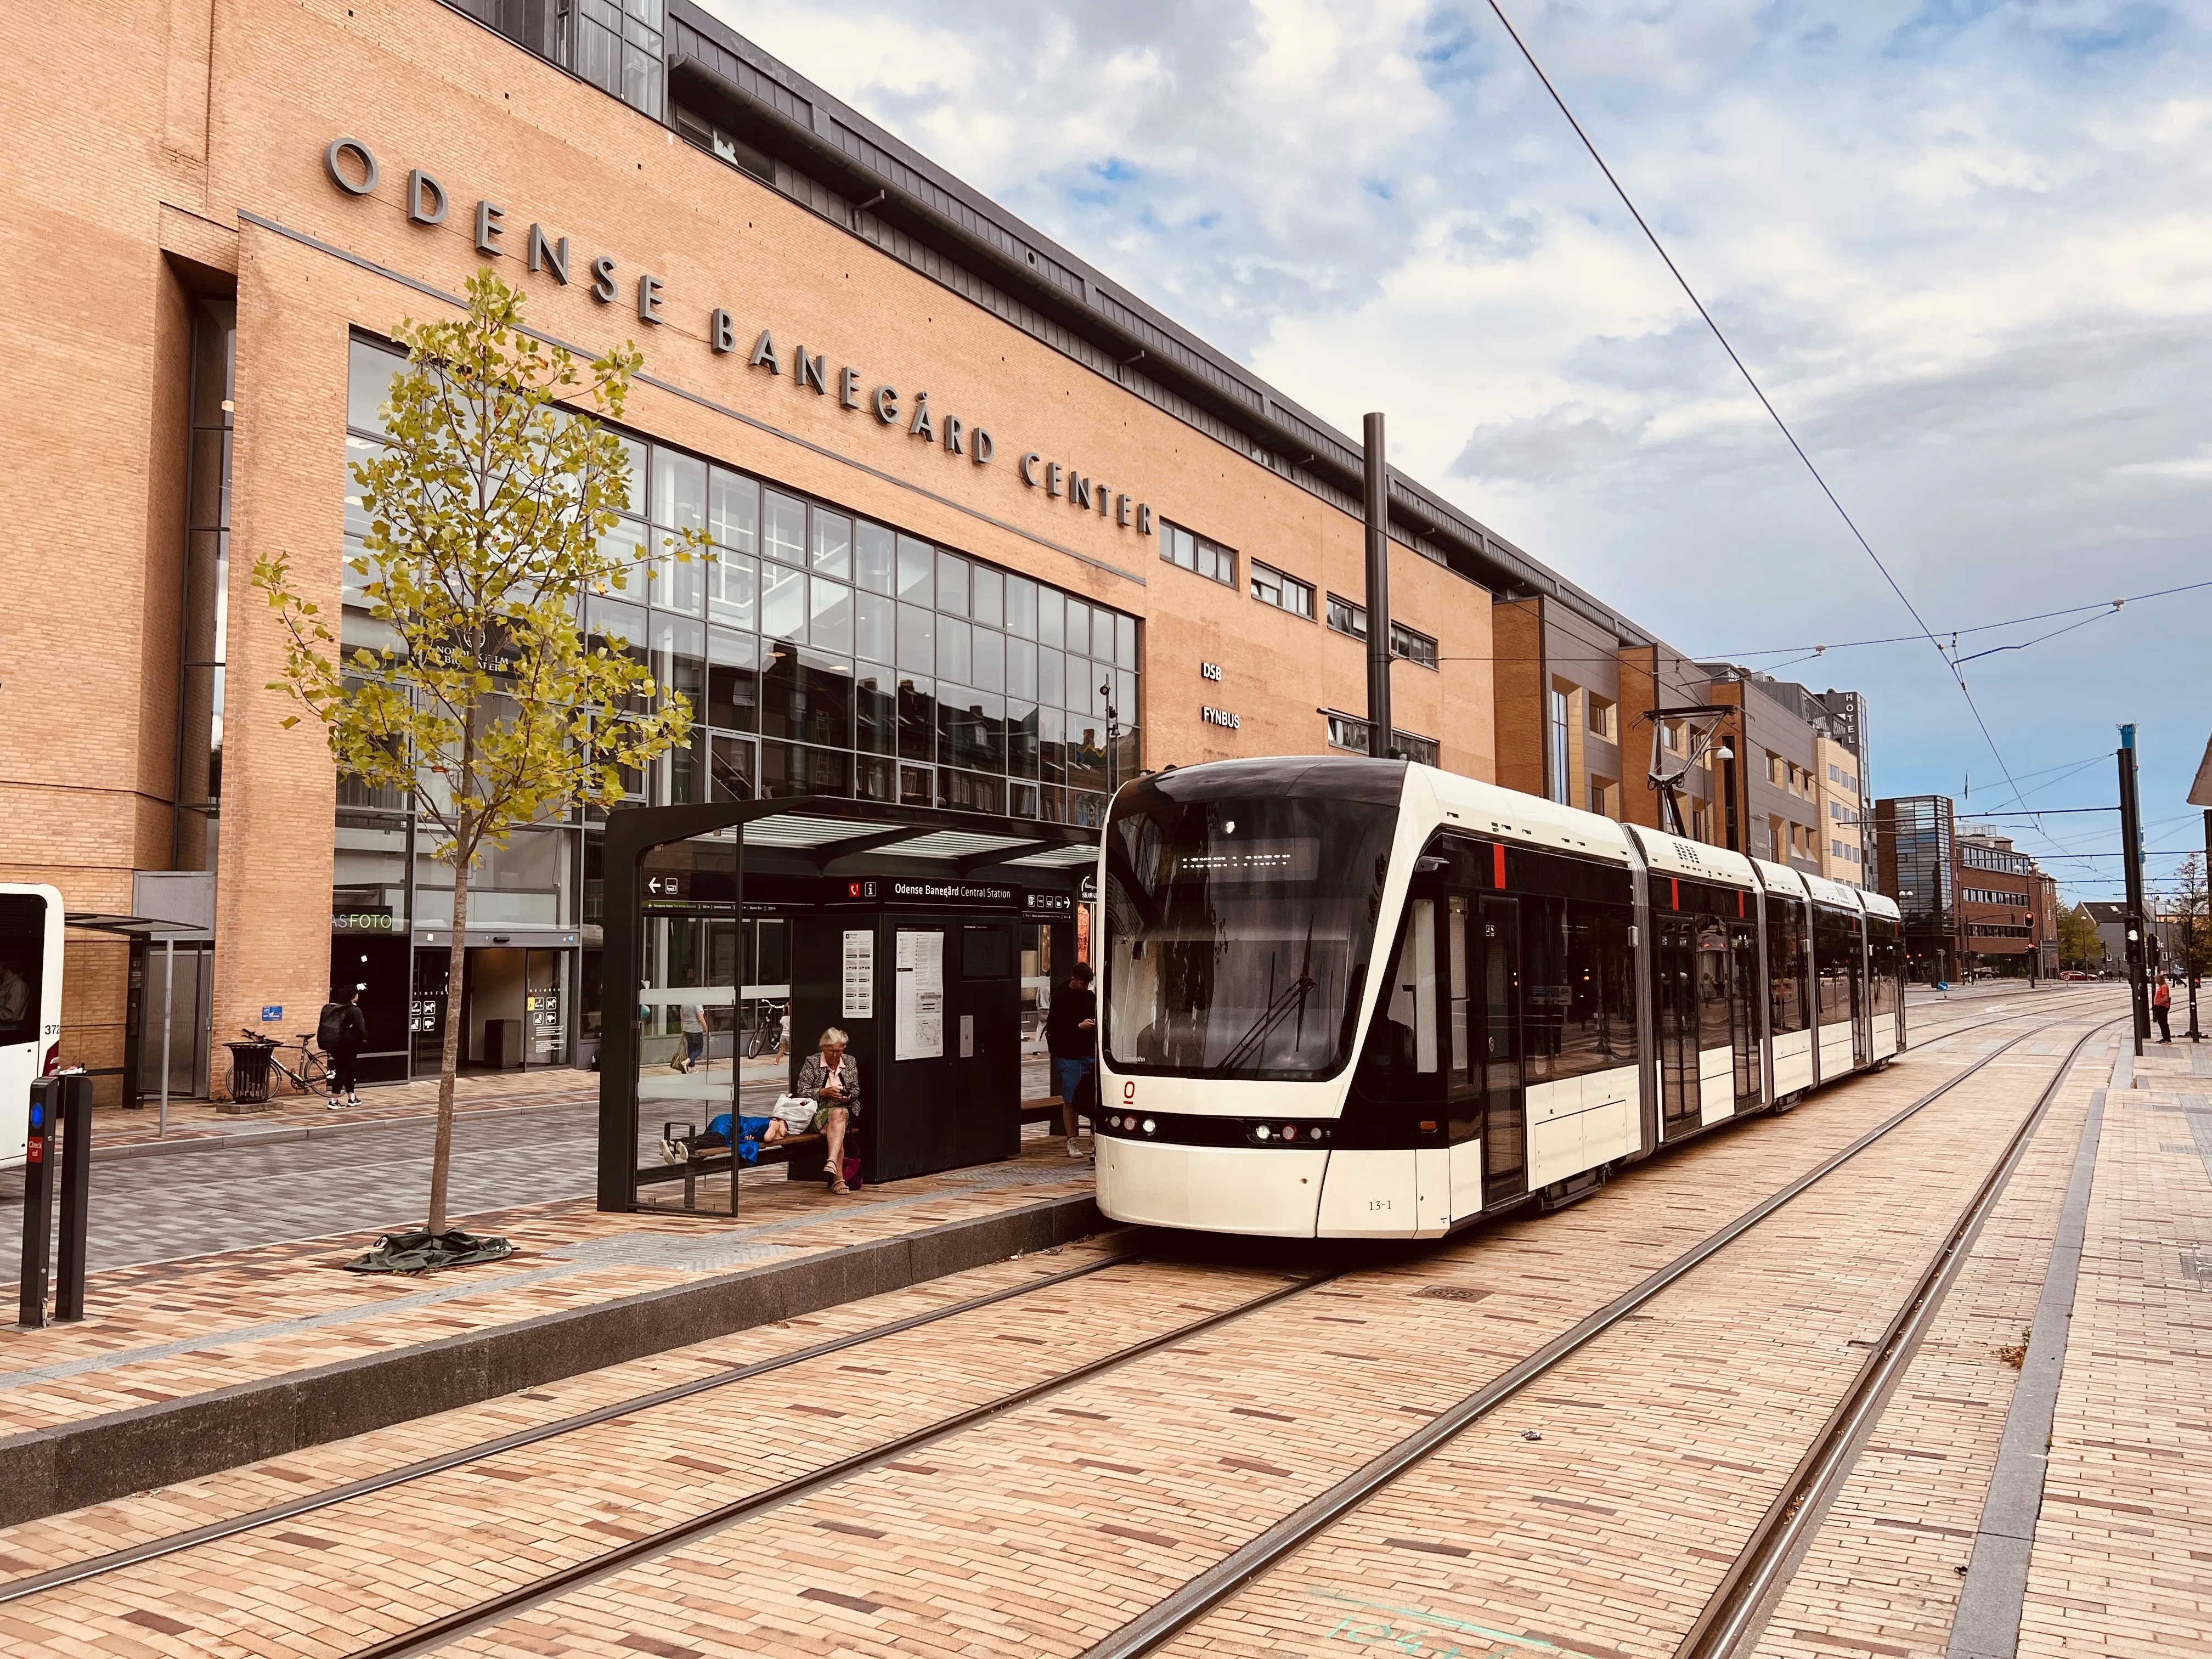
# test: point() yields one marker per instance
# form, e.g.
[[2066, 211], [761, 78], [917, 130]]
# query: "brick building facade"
[[245, 196]]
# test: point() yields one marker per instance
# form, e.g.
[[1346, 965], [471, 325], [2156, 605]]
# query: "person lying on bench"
[[752, 1132]]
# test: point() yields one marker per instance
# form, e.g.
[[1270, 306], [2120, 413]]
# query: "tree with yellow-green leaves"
[[2079, 942], [484, 702]]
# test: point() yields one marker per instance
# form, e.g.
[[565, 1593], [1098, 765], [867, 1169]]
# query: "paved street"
[[200, 1198], [189, 1203]]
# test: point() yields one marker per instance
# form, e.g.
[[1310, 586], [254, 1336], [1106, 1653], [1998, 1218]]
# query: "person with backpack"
[[342, 1033], [1071, 1032]]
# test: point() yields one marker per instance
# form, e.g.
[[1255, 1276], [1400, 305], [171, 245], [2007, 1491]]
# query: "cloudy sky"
[[1965, 245]]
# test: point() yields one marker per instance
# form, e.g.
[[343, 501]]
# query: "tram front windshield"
[[1241, 911]]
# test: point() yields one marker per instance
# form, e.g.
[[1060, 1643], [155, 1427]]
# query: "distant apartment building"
[[1589, 709]]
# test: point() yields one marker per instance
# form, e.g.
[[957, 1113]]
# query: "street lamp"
[[1113, 736]]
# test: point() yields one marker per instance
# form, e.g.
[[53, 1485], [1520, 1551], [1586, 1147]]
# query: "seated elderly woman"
[[831, 1078]]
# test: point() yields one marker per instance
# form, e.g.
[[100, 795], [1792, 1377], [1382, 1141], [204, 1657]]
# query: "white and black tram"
[[1368, 998]]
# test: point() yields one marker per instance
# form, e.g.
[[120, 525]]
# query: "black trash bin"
[[249, 1069]]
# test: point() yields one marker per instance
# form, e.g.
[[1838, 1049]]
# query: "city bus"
[[30, 1004]]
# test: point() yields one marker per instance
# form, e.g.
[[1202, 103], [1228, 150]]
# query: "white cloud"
[[1968, 251]]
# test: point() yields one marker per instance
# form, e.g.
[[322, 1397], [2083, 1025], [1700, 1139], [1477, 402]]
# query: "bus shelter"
[[907, 928]]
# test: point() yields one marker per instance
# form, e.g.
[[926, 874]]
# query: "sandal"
[[839, 1187]]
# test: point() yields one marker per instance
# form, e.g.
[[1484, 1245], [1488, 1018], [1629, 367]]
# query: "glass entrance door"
[[1505, 1126]]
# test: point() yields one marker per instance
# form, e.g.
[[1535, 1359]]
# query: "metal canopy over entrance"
[[902, 928]]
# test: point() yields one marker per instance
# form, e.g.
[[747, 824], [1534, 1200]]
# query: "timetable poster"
[[921, 996]]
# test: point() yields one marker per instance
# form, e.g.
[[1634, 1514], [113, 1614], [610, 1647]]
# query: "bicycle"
[[313, 1074], [766, 1033]]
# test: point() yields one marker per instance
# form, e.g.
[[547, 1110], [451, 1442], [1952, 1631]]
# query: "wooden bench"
[[717, 1160]]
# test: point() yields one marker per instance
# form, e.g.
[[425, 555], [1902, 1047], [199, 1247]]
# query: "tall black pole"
[[1378, 591], [2194, 1035], [2136, 926]]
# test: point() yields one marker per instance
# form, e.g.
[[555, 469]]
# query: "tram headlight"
[[1259, 1133], [1150, 1126]]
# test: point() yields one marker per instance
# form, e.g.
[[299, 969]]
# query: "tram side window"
[[1400, 1061], [1579, 979], [1785, 963]]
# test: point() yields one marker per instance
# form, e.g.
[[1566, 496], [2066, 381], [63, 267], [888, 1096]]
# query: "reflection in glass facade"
[[822, 654], [1916, 835]]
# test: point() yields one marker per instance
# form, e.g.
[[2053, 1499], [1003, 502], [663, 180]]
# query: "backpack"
[[330, 1025]]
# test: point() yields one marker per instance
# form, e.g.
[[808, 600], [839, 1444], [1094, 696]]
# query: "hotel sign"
[[353, 167]]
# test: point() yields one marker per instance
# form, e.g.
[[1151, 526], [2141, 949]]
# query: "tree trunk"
[[449, 1059]]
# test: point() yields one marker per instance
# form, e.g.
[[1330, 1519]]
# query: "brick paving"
[[2122, 1559], [174, 1329], [1047, 1527], [405, 1102], [1662, 1442], [1883, 1573]]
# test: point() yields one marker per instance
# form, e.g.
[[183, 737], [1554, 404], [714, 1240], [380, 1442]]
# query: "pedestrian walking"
[[2161, 1008], [1070, 1035], [693, 1018], [832, 1078], [342, 1033]]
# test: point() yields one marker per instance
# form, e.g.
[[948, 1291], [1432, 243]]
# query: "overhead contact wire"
[[1764, 401]]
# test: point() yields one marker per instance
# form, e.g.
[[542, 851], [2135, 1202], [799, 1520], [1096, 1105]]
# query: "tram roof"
[[1487, 809], [1670, 855]]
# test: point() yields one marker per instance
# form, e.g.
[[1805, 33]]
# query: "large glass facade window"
[[206, 604], [616, 45], [822, 655], [1559, 759]]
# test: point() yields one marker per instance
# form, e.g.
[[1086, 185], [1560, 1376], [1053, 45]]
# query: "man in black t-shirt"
[[1071, 1032]]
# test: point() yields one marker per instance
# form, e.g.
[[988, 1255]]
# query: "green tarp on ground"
[[418, 1252]]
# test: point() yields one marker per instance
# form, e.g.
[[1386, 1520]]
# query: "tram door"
[[1505, 1129], [1862, 1004], [1743, 1011], [1463, 1068], [1674, 986]]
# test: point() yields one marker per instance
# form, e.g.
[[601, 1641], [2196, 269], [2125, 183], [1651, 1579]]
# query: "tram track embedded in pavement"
[[1174, 1614], [1734, 1616], [76, 1572], [1139, 1636]]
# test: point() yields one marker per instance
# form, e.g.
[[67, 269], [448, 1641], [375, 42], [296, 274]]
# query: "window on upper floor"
[[1347, 618], [703, 134], [1562, 697], [617, 46], [1601, 718], [1272, 586], [1415, 647], [1195, 553]]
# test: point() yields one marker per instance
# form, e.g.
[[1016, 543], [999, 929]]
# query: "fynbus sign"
[[352, 166]]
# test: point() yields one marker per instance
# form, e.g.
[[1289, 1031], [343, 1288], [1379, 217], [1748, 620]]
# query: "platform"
[[181, 1368]]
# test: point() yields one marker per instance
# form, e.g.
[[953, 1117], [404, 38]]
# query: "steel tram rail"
[[1174, 1614], [153, 1549], [1735, 1615], [658, 1543]]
